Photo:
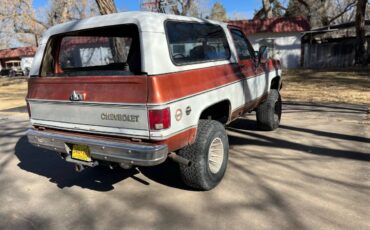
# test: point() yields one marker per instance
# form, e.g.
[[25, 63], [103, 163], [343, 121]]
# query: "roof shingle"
[[18, 52], [273, 25]]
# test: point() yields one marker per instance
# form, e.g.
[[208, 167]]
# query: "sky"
[[241, 8]]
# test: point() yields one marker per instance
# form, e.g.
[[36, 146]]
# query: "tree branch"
[[345, 10]]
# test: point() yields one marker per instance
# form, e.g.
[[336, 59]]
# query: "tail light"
[[159, 119]]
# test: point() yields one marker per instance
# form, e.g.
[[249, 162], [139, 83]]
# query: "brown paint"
[[180, 140], [115, 89], [196, 81], [248, 107]]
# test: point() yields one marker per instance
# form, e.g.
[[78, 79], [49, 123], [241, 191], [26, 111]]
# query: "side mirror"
[[262, 55]]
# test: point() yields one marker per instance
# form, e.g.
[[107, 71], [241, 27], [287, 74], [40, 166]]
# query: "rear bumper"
[[128, 153]]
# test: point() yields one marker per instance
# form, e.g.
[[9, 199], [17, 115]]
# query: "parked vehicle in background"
[[136, 88], [12, 68]]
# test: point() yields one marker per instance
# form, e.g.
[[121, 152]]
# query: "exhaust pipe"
[[125, 165], [179, 159], [79, 167]]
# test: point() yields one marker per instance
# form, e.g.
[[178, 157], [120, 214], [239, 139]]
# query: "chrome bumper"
[[135, 154]]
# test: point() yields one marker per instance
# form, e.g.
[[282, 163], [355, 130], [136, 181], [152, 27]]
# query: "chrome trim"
[[143, 105], [137, 154], [92, 129]]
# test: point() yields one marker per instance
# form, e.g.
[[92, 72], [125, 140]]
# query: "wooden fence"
[[333, 54]]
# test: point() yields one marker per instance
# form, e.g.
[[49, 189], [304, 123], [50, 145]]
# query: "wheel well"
[[275, 83], [219, 112]]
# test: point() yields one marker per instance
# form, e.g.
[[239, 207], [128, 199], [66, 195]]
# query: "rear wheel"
[[12, 73], [269, 112], [209, 156]]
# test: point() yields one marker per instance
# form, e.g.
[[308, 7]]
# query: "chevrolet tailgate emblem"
[[76, 96]]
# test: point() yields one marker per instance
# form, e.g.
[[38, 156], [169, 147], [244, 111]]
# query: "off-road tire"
[[269, 112], [199, 175]]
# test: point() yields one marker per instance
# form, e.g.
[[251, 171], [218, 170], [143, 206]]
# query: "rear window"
[[102, 51], [89, 51], [196, 43]]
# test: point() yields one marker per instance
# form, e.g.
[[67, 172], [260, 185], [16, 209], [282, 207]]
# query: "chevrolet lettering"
[[119, 117], [168, 94]]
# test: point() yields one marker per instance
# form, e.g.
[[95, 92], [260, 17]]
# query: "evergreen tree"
[[218, 12]]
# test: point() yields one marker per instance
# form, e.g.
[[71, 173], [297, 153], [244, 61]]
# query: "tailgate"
[[112, 105]]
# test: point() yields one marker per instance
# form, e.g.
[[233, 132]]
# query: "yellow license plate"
[[81, 152]]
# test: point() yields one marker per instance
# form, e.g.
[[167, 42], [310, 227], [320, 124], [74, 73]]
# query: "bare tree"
[[118, 52], [323, 12], [361, 55], [270, 9], [28, 23], [106, 6], [199, 9], [182, 7]]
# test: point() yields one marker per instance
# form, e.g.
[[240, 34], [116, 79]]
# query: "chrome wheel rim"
[[215, 155]]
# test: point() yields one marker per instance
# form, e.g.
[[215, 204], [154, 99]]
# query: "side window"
[[195, 42], [241, 44]]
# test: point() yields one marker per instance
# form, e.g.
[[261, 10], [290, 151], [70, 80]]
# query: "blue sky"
[[243, 8]]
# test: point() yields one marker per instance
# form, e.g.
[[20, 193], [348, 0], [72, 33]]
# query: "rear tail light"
[[159, 119]]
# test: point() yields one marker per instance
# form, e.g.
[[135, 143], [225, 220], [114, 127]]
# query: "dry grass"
[[299, 85], [327, 87], [12, 93]]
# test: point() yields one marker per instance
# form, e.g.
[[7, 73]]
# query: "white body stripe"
[[253, 89]]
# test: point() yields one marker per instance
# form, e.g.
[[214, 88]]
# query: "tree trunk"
[[185, 7], [118, 52], [106, 6], [361, 54], [267, 8]]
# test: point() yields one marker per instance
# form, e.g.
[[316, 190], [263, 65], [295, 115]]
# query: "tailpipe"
[[79, 167], [180, 159]]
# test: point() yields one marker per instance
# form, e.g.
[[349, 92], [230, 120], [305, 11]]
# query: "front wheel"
[[209, 156], [269, 112]]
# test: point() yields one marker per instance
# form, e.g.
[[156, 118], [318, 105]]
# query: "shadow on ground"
[[19, 109], [49, 164]]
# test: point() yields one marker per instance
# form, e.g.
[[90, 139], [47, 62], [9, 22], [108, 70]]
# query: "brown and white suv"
[[136, 88]]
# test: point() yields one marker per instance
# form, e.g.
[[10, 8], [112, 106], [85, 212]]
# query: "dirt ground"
[[12, 95], [311, 173], [327, 86]]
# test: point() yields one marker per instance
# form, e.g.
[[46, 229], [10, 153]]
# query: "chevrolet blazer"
[[136, 88]]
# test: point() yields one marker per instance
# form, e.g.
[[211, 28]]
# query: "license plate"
[[81, 152]]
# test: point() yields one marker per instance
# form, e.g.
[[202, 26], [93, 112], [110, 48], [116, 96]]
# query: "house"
[[23, 55], [332, 47], [281, 35]]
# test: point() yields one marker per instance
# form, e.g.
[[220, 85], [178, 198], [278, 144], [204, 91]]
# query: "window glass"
[[88, 51], [101, 51], [241, 45], [194, 42]]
